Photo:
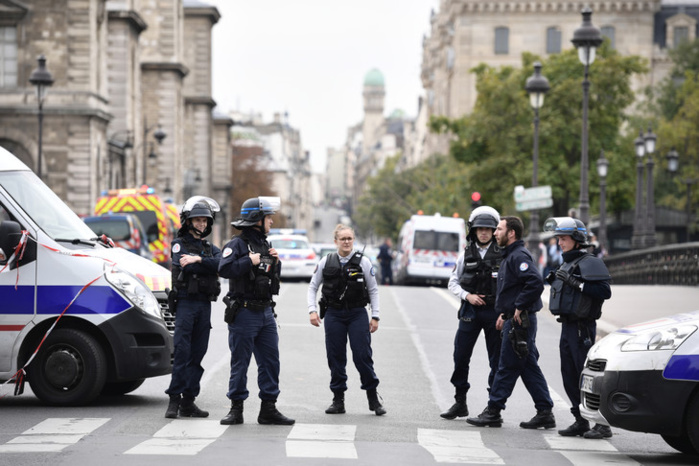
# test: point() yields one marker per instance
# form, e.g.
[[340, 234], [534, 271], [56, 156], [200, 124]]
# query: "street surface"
[[412, 353]]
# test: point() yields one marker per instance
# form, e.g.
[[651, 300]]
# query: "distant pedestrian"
[[385, 258]]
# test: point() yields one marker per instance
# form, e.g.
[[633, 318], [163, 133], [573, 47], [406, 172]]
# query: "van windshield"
[[46, 209], [436, 241]]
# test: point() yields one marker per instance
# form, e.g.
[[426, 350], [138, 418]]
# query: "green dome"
[[374, 78]]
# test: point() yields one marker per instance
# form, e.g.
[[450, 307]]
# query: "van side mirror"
[[10, 234]]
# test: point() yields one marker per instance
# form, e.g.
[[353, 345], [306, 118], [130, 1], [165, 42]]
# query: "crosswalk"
[[189, 437]]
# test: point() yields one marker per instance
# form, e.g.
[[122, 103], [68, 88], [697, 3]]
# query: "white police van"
[[645, 378], [75, 321]]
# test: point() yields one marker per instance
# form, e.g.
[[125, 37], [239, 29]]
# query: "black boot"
[[189, 409], [374, 403], [338, 404], [173, 406], [543, 418], [235, 415], [269, 414], [578, 428], [598, 432], [458, 409], [490, 417]]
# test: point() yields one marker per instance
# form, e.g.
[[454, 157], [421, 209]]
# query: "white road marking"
[[52, 435], [457, 446], [594, 458], [180, 437], [321, 441], [558, 442]]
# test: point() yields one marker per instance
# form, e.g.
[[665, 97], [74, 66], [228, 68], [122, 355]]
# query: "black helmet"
[[199, 206], [567, 226], [482, 217], [255, 209]]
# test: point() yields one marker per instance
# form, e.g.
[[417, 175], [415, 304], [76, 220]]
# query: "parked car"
[[323, 249], [126, 230], [645, 378], [298, 258]]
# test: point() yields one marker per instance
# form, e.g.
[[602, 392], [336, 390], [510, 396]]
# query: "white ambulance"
[[78, 318], [428, 247]]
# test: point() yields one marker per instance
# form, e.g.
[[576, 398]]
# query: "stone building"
[[125, 71]]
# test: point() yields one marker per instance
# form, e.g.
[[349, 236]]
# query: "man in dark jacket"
[[518, 300]]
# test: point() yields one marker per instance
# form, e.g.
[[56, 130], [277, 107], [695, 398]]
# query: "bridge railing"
[[676, 264]]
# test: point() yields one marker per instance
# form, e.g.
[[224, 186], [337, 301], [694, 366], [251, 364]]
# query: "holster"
[[172, 301], [323, 306], [232, 309]]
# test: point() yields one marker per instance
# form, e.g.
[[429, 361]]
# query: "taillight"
[[311, 256]]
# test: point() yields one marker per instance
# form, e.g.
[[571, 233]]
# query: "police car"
[[298, 258], [645, 378]]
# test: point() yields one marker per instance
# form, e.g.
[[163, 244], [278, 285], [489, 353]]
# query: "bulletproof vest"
[[569, 301], [192, 283], [480, 275], [344, 285], [263, 280]]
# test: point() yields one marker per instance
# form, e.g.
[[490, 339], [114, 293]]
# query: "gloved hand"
[[550, 277], [568, 278]]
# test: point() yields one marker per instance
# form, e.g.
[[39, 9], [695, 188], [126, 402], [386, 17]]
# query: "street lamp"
[[602, 167], [586, 39], [159, 135], [673, 165], [644, 220], [649, 145], [537, 86], [41, 78], [638, 232]]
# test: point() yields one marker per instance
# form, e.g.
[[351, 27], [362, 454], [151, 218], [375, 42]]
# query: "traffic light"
[[475, 199]]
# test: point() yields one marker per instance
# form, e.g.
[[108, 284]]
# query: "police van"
[[78, 318], [645, 378], [428, 247]]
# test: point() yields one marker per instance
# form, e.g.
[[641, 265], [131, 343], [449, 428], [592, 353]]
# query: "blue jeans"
[[254, 332], [191, 340], [353, 323]]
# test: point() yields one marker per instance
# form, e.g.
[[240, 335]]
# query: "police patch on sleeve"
[[523, 267], [373, 272], [176, 248], [227, 252]]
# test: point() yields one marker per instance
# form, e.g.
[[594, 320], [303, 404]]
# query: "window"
[[681, 34], [502, 38], [436, 241], [608, 33], [8, 56], [553, 40]]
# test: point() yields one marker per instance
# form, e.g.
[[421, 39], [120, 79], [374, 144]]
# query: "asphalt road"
[[412, 353]]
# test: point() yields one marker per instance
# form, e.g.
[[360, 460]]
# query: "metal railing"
[[675, 264]]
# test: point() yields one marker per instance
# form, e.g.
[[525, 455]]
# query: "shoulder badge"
[[227, 252], [523, 267], [176, 248]]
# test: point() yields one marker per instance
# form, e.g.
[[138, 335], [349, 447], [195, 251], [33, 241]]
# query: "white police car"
[[298, 258], [645, 378]]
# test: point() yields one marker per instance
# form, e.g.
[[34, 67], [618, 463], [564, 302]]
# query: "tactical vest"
[[344, 286], [194, 284], [263, 281], [480, 275], [569, 301]]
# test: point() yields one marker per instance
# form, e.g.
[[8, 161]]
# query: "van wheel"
[[692, 427], [121, 388], [69, 370], [680, 443]]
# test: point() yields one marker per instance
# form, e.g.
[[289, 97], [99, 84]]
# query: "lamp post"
[[41, 78], [586, 39], [537, 86], [602, 166], [159, 135], [638, 231], [649, 145]]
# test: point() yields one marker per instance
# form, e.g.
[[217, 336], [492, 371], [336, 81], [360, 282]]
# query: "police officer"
[[579, 286], [349, 284], [195, 285], [474, 280], [252, 266], [518, 300]]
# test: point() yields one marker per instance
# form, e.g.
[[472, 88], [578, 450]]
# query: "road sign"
[[532, 198]]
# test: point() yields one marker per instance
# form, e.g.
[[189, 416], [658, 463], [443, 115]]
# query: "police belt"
[[254, 305], [346, 304]]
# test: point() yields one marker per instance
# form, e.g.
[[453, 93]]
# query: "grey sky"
[[309, 58]]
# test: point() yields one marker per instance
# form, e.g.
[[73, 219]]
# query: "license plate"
[[586, 383]]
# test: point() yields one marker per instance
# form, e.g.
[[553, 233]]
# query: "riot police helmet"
[[199, 206], [482, 217], [255, 209], [567, 226]]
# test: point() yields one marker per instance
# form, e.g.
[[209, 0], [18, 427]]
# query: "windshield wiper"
[[90, 242]]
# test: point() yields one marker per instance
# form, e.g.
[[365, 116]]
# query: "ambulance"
[[78, 317], [159, 218], [428, 247]]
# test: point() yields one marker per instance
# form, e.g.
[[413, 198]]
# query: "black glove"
[[568, 278], [550, 277]]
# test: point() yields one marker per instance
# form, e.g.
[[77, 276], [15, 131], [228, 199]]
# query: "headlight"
[[134, 290], [669, 338]]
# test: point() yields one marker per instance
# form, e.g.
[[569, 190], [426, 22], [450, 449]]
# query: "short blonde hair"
[[341, 227]]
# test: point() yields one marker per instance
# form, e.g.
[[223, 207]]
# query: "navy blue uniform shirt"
[[519, 283]]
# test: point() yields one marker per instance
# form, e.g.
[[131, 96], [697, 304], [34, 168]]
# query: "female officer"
[[349, 284]]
